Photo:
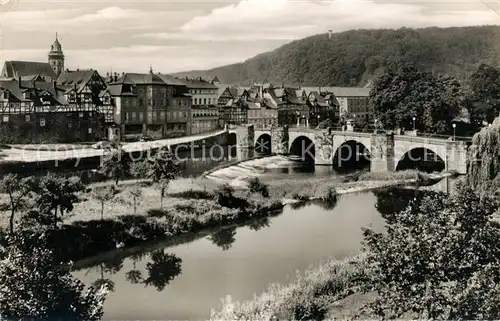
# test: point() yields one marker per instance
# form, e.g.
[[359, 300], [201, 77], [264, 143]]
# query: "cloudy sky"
[[179, 35]]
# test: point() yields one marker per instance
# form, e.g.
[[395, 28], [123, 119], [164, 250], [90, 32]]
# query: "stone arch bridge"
[[385, 150]]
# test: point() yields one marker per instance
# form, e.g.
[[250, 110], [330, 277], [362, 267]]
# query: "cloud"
[[291, 19], [78, 21]]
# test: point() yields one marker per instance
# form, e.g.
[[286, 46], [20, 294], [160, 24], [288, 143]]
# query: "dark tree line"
[[407, 97]]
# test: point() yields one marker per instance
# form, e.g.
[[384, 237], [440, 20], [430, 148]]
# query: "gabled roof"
[[216, 79], [341, 91], [198, 84], [80, 78], [16, 69], [140, 79], [37, 89], [171, 80]]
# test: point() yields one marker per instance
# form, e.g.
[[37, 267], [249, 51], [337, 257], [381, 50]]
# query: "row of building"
[[44, 102]]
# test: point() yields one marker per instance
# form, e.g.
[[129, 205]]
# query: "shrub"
[[256, 186]]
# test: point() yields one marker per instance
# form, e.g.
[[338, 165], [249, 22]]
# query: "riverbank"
[[191, 206], [185, 213], [319, 294]]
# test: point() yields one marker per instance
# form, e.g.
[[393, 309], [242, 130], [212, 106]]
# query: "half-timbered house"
[[36, 111]]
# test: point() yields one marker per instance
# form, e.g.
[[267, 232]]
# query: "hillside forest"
[[355, 57]]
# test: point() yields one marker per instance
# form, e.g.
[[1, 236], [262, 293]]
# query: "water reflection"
[[391, 201], [259, 224], [224, 238], [160, 271]]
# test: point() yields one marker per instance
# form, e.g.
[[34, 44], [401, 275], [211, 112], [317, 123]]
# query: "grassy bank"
[[194, 207], [311, 296]]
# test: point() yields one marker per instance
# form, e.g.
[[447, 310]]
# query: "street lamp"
[[413, 123], [454, 126], [318, 119]]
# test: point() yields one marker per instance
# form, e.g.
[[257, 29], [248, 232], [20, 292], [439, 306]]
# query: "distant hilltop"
[[354, 58]]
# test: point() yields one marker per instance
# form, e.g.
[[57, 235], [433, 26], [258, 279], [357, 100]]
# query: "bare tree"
[[17, 190], [104, 195]]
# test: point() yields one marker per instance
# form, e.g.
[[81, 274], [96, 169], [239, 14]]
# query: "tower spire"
[[56, 37]]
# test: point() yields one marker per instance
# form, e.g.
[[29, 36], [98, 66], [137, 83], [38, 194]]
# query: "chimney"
[[330, 34], [20, 83]]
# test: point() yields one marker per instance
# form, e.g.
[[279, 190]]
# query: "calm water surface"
[[240, 262], [292, 241]]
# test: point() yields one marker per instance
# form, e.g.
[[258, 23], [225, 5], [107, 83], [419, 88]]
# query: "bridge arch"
[[263, 144], [421, 158], [351, 155], [303, 148]]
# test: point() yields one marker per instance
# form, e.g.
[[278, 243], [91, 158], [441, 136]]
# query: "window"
[[42, 122], [69, 125], [204, 101], [150, 116], [126, 116], [162, 115], [90, 130], [141, 116], [27, 118], [5, 118], [133, 116], [80, 115]]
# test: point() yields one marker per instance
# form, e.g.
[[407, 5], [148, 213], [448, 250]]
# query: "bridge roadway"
[[65, 152]]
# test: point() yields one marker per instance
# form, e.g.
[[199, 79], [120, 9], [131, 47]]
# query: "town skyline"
[[174, 36]]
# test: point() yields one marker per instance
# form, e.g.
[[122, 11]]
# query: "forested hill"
[[353, 57]]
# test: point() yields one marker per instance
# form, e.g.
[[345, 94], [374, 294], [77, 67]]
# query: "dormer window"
[[5, 95], [26, 95]]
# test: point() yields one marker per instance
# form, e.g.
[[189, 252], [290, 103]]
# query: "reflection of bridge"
[[324, 146]]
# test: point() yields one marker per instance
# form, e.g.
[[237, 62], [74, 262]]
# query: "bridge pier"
[[382, 153], [279, 140], [456, 155], [324, 152], [245, 147]]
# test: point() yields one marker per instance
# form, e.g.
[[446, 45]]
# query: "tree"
[[104, 195], [55, 195], [398, 96], [135, 192], [114, 164], [162, 169], [438, 259], [18, 190], [35, 287], [484, 94]]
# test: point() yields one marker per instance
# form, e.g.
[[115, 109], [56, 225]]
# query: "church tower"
[[56, 57]]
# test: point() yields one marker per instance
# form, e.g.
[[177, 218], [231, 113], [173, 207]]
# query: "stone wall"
[[59, 127]]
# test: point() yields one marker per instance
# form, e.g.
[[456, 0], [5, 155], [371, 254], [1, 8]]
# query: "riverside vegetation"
[[50, 224], [437, 259]]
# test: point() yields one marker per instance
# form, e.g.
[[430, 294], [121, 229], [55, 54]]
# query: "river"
[[186, 281]]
